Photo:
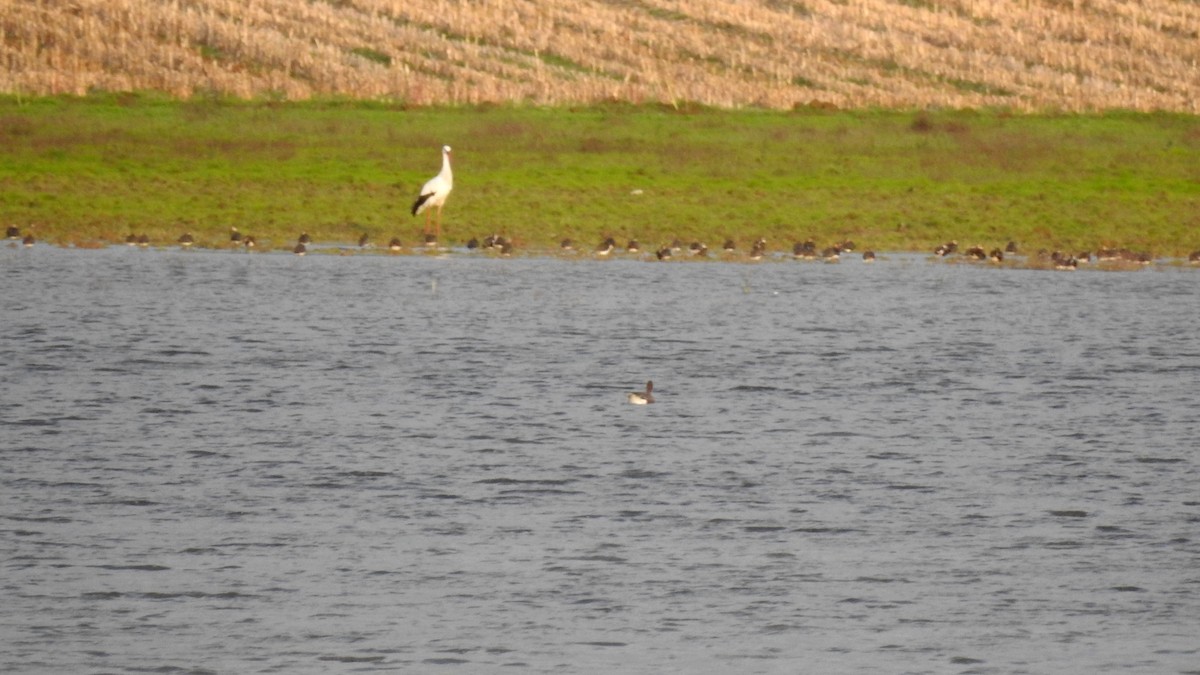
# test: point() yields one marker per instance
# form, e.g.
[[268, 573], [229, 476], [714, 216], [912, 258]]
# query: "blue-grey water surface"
[[214, 462]]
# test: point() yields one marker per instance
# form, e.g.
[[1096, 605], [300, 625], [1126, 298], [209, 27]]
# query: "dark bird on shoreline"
[[758, 249], [804, 250], [946, 248]]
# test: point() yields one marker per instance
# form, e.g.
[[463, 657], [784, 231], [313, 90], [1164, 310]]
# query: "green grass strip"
[[92, 170]]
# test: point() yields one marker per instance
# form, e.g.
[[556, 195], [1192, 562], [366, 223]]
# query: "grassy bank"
[[93, 170]]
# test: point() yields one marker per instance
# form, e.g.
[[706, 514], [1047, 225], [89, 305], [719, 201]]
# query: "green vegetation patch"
[[96, 169]]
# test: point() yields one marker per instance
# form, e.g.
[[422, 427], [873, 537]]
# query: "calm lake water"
[[225, 463]]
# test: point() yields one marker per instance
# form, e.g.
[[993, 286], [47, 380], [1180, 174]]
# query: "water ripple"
[[420, 464]]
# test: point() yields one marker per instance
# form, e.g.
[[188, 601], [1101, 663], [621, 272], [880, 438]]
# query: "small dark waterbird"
[[642, 397]]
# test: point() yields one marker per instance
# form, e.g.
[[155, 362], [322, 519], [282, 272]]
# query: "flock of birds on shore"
[[433, 194], [802, 250]]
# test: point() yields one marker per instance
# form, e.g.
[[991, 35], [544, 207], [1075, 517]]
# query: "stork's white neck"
[[446, 173]]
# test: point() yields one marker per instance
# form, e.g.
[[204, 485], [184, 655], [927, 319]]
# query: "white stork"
[[435, 191]]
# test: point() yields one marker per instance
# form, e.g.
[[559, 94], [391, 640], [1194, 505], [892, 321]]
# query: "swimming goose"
[[186, 239], [642, 397], [606, 246]]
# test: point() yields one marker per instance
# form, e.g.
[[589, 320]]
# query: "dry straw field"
[[1024, 55]]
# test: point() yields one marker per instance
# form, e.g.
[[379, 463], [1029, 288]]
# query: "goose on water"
[[642, 397]]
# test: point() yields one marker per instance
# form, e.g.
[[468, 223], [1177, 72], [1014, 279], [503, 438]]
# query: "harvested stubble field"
[[1020, 55], [89, 171]]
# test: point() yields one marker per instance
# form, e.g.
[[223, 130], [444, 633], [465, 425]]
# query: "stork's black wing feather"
[[420, 200]]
